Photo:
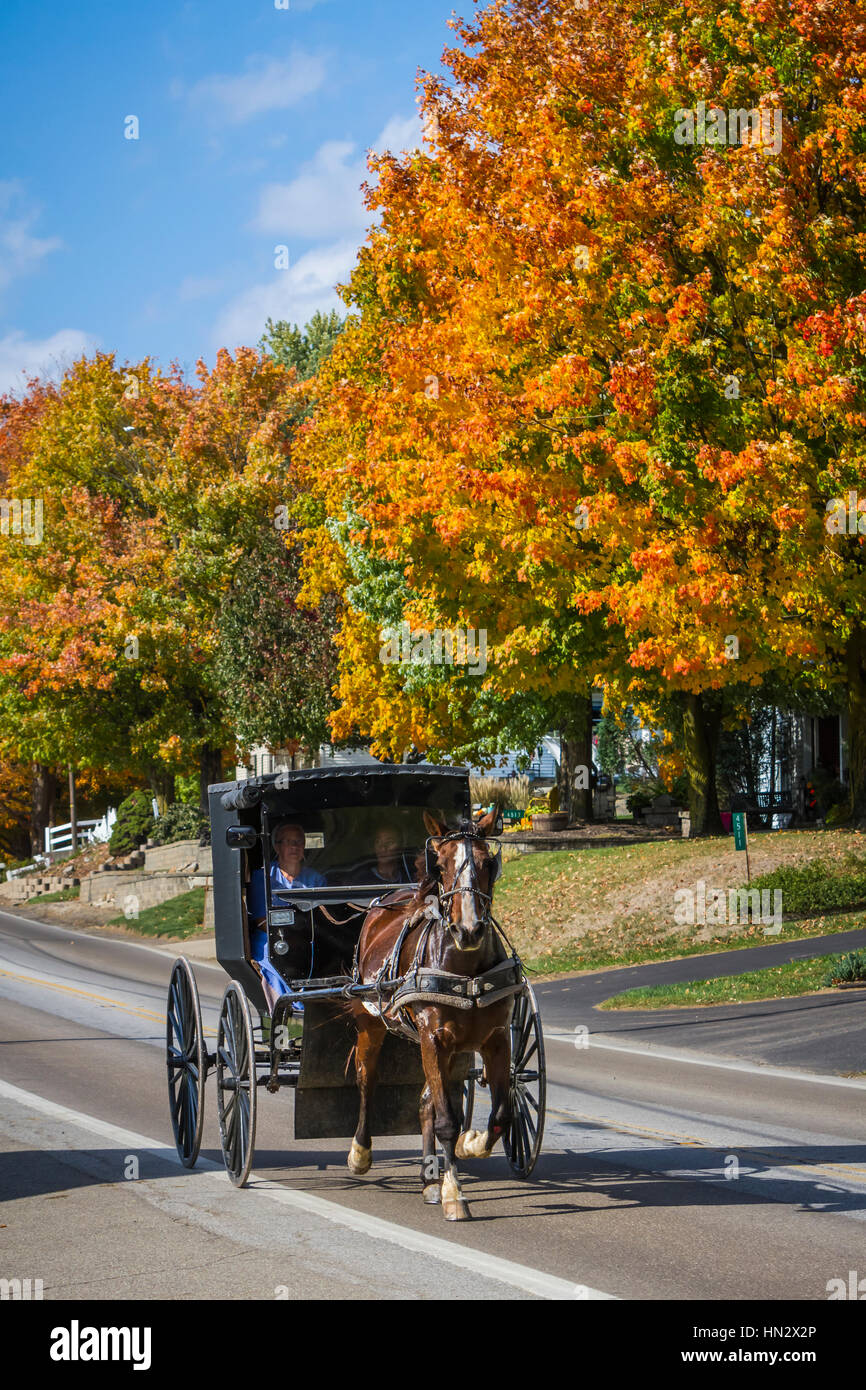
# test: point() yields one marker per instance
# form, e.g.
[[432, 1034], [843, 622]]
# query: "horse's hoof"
[[360, 1160], [472, 1143], [457, 1209], [432, 1195]]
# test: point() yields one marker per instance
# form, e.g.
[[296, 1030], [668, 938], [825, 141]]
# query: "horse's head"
[[464, 869]]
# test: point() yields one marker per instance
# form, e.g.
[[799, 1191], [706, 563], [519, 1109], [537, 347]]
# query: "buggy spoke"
[[185, 1061], [236, 1084]]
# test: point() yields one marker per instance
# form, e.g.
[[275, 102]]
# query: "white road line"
[[522, 1277], [704, 1059]]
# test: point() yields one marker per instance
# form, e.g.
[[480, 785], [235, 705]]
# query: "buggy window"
[[364, 846]]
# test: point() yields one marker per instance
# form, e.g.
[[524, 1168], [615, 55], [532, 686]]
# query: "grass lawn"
[[182, 916], [779, 982], [63, 895], [584, 909]]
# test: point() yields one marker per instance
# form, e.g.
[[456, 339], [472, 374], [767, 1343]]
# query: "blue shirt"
[[307, 878]]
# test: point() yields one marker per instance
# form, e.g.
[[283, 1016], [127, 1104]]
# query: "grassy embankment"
[[785, 981], [569, 911], [181, 917]]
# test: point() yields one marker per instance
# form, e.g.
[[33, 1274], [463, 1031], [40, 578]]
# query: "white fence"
[[58, 838]]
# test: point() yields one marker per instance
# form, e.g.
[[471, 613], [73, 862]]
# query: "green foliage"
[[180, 821], [611, 748], [639, 801], [829, 791], [850, 967], [133, 825], [186, 789], [815, 887], [304, 349], [275, 665]]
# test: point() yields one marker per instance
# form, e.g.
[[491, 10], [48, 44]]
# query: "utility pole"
[[73, 810]]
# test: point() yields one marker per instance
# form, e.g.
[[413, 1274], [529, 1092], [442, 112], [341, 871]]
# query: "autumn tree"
[[604, 365]]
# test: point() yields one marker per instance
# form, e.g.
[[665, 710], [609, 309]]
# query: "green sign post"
[[741, 838]]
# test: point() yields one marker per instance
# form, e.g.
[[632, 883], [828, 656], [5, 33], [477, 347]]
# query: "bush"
[[638, 802], [133, 825], [813, 888], [180, 821], [841, 969], [829, 792]]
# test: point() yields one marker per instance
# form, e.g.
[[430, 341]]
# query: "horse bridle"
[[467, 831]]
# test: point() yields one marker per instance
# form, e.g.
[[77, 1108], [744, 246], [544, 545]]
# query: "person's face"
[[289, 844], [387, 850]]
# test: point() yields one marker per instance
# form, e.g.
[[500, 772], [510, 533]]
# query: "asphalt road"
[[667, 1173], [819, 1033]]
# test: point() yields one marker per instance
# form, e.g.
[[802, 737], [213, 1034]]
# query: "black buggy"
[[312, 934]]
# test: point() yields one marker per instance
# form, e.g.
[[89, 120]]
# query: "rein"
[[431, 984]]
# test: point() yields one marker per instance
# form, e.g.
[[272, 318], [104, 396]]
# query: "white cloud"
[[267, 84], [324, 199], [20, 250], [22, 357], [400, 134], [294, 294]]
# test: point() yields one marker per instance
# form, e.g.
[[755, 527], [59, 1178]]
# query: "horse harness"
[[430, 984]]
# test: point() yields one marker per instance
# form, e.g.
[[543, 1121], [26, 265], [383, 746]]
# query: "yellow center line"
[[691, 1142], [97, 998]]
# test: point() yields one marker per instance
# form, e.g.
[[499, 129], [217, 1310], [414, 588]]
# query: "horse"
[[441, 938]]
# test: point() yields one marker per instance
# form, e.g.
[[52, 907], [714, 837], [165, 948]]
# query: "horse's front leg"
[[371, 1035], [437, 1054], [496, 1055], [429, 1159]]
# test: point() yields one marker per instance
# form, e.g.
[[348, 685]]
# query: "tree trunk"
[[701, 727], [42, 797], [210, 771], [161, 783], [856, 655], [575, 762]]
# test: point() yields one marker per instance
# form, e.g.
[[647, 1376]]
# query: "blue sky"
[[253, 127]]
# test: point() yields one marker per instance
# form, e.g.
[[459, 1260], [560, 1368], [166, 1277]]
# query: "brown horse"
[[450, 931]]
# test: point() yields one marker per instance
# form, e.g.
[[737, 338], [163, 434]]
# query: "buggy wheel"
[[236, 1083], [469, 1096], [185, 1061], [528, 1086]]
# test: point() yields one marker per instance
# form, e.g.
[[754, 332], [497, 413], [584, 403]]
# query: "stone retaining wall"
[[149, 889], [183, 854]]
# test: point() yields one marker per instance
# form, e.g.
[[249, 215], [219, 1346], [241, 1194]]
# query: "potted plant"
[[548, 815]]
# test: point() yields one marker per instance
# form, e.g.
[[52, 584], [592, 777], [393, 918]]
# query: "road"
[[667, 1174]]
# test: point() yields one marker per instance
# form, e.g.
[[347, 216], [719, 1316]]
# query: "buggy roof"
[[325, 782]]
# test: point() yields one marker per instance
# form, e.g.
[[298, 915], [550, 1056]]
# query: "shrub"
[[133, 825], [638, 802], [812, 887], [842, 969], [180, 821]]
